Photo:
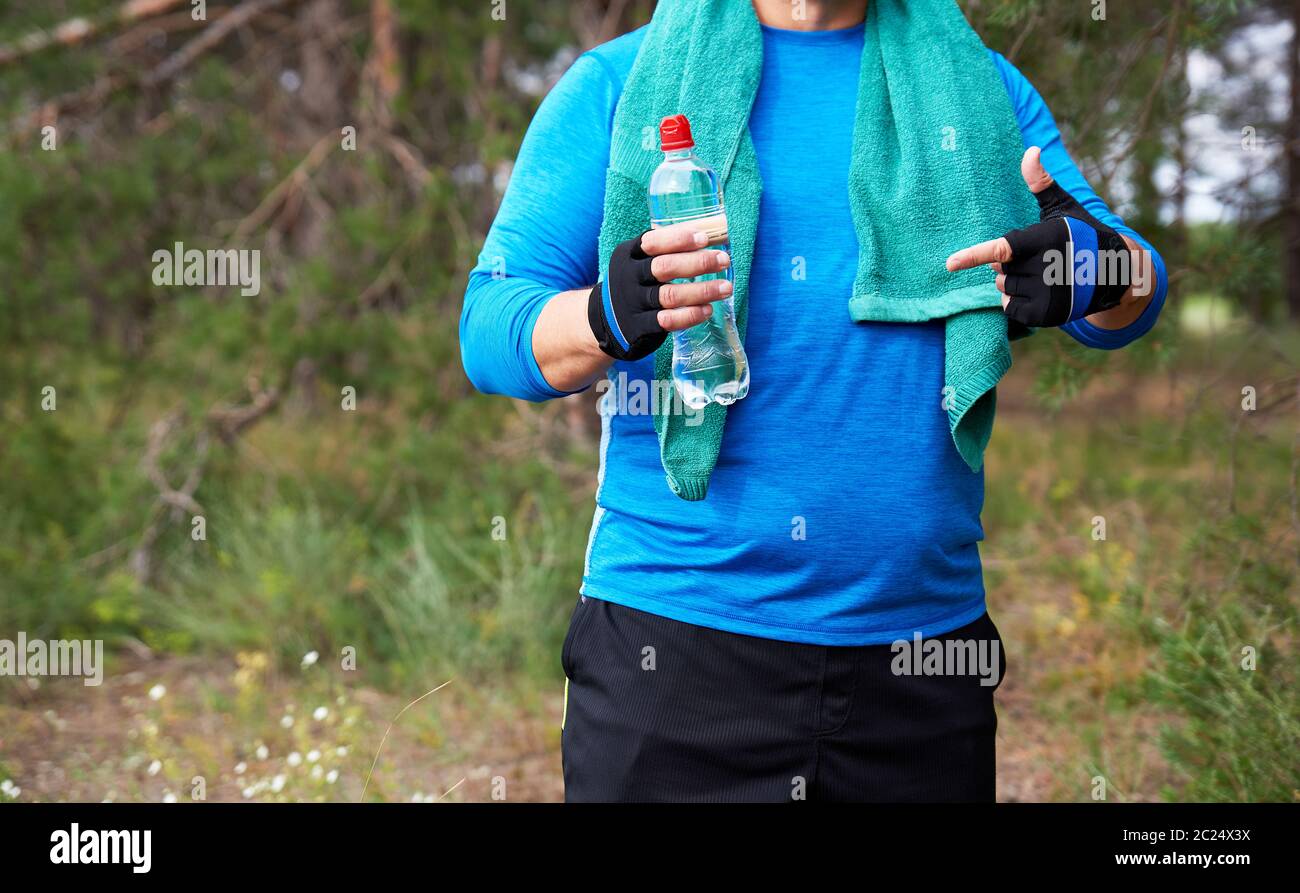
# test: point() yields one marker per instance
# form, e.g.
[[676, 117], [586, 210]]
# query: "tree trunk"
[[1291, 229]]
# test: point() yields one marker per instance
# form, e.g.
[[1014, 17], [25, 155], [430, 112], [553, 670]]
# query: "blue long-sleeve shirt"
[[858, 528]]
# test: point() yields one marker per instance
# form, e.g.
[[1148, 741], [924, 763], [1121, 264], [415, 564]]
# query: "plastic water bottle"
[[709, 362]]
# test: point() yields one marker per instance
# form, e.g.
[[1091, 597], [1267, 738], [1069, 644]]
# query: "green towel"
[[935, 168]]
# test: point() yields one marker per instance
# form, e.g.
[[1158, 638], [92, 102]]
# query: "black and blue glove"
[[623, 309], [1066, 266]]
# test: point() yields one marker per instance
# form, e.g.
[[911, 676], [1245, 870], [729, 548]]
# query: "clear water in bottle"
[[709, 363]]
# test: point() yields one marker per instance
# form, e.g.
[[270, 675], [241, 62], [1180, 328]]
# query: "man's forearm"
[[563, 343], [1138, 296]]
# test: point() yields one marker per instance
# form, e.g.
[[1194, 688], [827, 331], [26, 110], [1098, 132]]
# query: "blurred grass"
[[382, 545], [1131, 647]]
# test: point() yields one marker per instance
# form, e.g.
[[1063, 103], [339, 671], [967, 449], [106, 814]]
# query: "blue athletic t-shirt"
[[839, 512]]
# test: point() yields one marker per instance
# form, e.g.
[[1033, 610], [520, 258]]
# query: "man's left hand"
[[1065, 267]]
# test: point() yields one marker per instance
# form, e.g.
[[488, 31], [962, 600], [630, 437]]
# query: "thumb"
[[1031, 168]]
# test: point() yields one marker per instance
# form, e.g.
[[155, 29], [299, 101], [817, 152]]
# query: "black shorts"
[[660, 710]]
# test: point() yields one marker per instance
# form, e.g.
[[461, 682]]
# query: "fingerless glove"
[[1062, 268], [623, 309]]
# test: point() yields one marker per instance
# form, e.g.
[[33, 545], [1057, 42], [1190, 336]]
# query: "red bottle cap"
[[675, 133]]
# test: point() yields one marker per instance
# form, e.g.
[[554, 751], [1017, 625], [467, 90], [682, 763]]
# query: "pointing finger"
[[984, 253]]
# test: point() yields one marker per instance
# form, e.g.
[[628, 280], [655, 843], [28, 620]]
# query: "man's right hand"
[[632, 311]]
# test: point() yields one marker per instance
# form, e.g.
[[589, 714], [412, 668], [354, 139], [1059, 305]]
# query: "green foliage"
[[1145, 629], [1239, 728], [320, 523]]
